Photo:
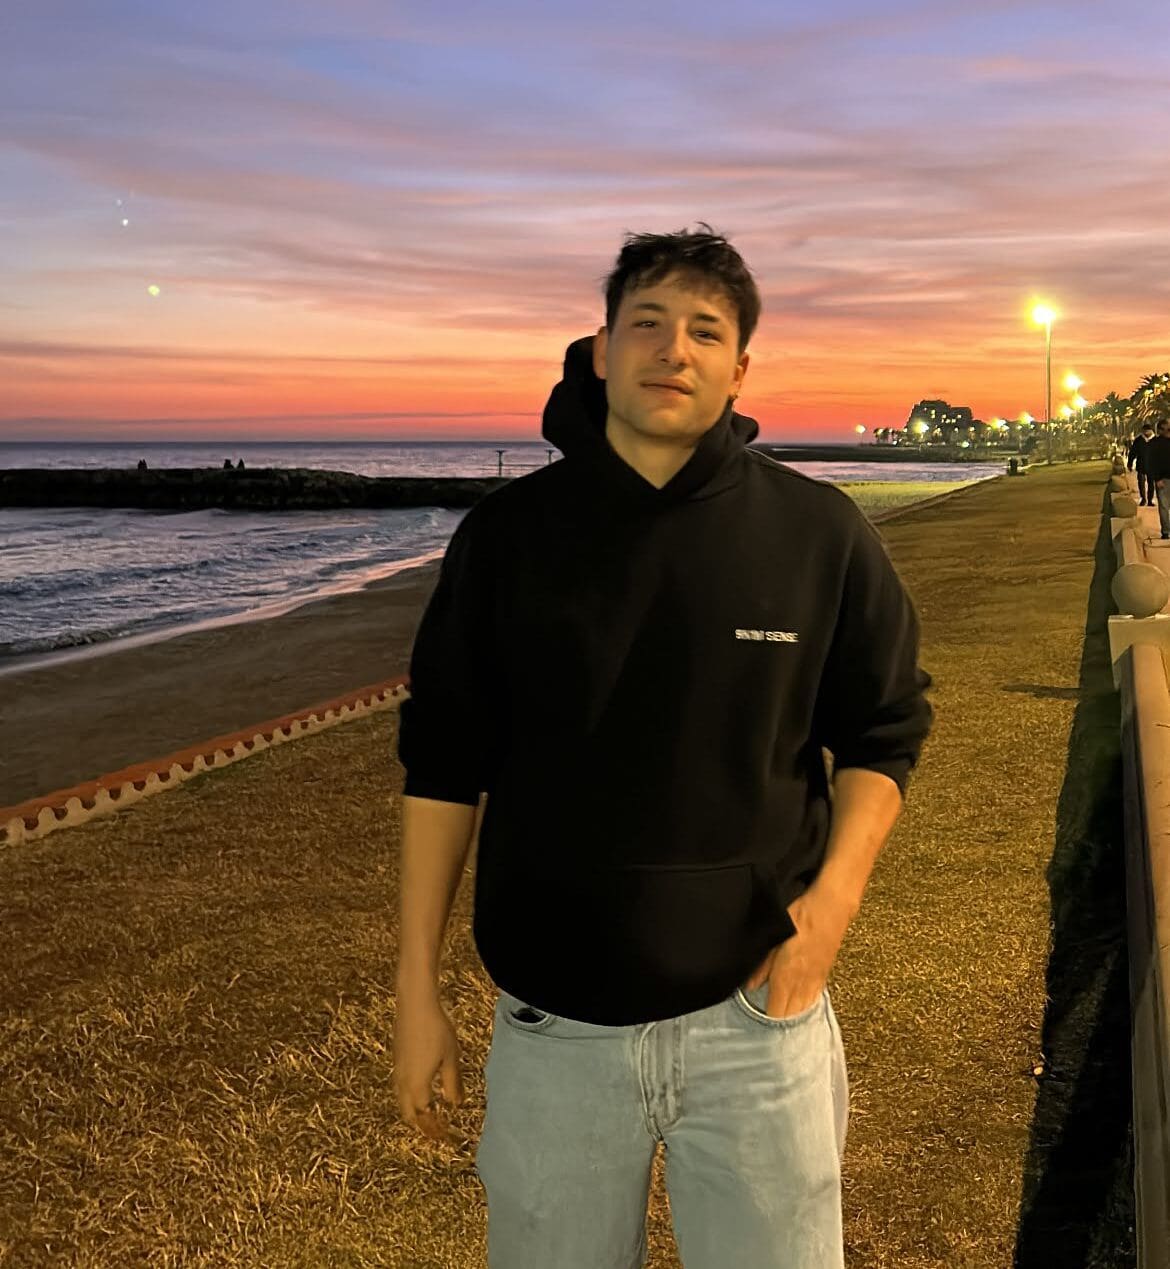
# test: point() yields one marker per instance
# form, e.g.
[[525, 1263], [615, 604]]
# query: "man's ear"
[[600, 342]]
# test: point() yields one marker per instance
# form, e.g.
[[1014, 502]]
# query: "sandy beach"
[[81, 718]]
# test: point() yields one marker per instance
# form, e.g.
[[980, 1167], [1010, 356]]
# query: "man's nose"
[[674, 347]]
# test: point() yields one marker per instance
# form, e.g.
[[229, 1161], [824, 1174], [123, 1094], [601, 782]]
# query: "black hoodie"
[[642, 681]]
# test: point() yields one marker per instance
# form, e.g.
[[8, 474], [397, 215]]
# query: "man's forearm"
[[436, 837], [866, 805]]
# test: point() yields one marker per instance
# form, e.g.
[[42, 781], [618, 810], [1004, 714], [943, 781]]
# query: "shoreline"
[[26, 661], [77, 714], [44, 658], [84, 716]]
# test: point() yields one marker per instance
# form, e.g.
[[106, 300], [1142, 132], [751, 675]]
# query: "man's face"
[[1164, 429], [670, 333]]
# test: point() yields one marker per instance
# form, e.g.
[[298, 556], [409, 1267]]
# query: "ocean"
[[77, 577]]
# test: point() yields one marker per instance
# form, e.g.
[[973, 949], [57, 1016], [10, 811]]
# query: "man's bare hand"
[[425, 1045], [798, 969]]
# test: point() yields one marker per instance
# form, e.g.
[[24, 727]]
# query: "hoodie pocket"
[[612, 939]]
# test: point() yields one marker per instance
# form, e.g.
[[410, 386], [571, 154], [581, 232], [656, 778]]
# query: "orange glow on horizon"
[[802, 392]]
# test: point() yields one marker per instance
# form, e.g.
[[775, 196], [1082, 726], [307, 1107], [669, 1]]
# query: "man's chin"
[[674, 433]]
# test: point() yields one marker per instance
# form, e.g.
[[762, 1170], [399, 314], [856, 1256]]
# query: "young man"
[[1137, 457], [640, 652]]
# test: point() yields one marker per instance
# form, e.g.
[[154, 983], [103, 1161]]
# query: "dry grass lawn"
[[196, 995]]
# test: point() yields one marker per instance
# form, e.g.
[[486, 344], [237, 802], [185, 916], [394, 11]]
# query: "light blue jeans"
[[751, 1110]]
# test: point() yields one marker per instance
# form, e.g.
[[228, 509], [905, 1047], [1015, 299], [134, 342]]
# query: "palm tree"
[[1117, 408], [1150, 402]]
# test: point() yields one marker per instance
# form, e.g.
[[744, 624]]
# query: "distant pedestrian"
[[1157, 458], [142, 464], [1137, 458]]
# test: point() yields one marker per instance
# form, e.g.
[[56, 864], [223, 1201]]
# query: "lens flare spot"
[[152, 289], [125, 222]]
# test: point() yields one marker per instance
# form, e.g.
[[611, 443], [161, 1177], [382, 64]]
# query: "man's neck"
[[657, 462]]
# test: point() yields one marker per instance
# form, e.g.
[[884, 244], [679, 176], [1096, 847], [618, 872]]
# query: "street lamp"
[[1079, 403], [1043, 315]]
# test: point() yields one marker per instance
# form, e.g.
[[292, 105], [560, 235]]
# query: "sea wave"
[[56, 585], [60, 640]]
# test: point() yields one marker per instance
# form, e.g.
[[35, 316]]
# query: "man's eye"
[[649, 321]]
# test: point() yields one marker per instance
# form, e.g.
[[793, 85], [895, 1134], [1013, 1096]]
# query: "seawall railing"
[[1139, 640]]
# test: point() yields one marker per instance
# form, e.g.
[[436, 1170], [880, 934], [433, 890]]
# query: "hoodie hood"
[[574, 421]]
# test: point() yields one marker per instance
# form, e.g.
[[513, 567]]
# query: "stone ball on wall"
[[1118, 484], [1140, 590]]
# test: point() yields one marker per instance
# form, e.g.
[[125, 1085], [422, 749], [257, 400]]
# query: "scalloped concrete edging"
[[108, 794]]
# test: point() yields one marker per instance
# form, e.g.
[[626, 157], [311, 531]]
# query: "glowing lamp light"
[[1073, 382], [860, 430], [920, 426], [1066, 412], [152, 290], [1043, 314], [1026, 419], [1079, 402]]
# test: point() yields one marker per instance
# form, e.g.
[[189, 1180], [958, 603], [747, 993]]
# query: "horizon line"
[[133, 443]]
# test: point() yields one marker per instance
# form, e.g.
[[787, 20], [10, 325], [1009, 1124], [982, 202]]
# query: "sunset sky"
[[377, 220]]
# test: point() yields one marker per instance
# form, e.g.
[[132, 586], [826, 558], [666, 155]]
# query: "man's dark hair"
[[704, 260]]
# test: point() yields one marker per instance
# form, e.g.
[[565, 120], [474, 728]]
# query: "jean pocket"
[[522, 1016], [756, 1012]]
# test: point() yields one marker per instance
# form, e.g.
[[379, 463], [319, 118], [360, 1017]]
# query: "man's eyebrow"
[[661, 308]]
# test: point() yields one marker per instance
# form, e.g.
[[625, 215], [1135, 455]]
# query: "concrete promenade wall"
[[1139, 647]]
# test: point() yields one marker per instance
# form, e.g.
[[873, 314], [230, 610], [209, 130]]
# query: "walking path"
[[196, 994]]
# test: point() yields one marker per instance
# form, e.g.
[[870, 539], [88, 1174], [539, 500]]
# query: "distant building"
[[937, 421]]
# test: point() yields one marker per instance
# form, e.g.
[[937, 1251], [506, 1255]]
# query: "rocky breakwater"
[[258, 489]]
